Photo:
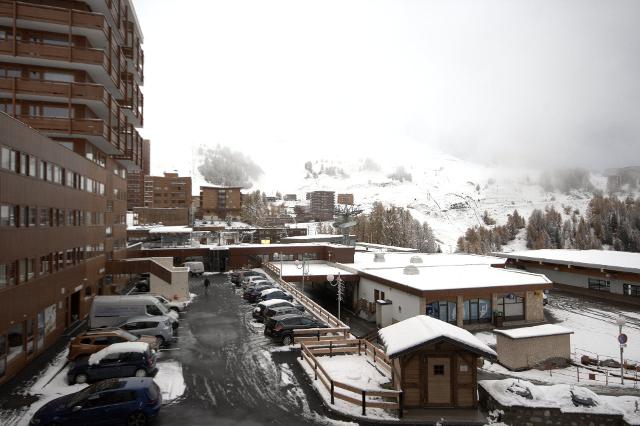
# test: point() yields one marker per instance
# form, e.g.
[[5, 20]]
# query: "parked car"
[[195, 268], [142, 286], [130, 359], [260, 309], [109, 311], [131, 401], [238, 276], [159, 326], [172, 305], [279, 311], [281, 327], [274, 293], [251, 295], [254, 278], [92, 341], [256, 283]]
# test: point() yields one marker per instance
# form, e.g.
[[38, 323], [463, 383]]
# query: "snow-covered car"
[[195, 268], [173, 305]]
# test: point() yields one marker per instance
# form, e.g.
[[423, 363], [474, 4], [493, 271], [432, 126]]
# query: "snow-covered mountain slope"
[[449, 193]]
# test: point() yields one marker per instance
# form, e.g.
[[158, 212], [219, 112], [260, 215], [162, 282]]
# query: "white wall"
[[578, 279], [179, 285], [405, 305]]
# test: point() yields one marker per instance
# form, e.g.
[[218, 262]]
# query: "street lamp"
[[305, 269], [340, 283], [622, 340]]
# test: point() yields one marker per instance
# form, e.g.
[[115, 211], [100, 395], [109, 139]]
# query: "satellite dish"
[[348, 224]]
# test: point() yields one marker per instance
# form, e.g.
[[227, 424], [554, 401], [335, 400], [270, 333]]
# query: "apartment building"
[[70, 106], [321, 205], [135, 181], [168, 191], [220, 202], [345, 199]]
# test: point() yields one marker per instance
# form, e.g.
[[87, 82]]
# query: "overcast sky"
[[554, 82]]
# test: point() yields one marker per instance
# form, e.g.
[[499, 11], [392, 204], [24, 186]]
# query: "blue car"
[[129, 359], [132, 401]]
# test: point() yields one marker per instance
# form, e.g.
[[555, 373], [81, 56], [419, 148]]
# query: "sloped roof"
[[404, 336]]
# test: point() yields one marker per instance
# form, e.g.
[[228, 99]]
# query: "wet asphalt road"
[[230, 373]]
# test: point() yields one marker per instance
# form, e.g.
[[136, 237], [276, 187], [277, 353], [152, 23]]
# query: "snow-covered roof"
[[365, 260], [457, 277], [374, 247], [535, 331], [320, 268], [598, 259], [170, 230], [313, 237], [416, 331], [118, 348]]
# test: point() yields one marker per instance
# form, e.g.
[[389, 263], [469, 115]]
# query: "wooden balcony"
[[133, 100], [112, 64], [54, 89], [54, 15]]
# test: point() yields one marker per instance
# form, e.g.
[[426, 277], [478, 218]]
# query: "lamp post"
[[305, 269], [340, 283], [279, 255], [622, 340]]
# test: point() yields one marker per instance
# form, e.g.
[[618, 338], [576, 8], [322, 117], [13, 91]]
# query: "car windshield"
[[78, 397]]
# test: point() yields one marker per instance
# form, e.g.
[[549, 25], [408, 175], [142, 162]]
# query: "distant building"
[[322, 205], [290, 197], [345, 199], [169, 190], [220, 201], [172, 216]]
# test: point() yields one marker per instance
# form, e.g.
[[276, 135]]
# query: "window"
[[88, 291], [40, 342], [33, 168], [44, 265], [4, 278], [44, 216], [7, 215], [438, 370], [7, 274], [23, 164], [15, 338], [5, 158], [30, 268], [599, 285], [631, 290], [512, 306], [477, 310], [443, 310], [378, 295], [153, 310], [32, 219]]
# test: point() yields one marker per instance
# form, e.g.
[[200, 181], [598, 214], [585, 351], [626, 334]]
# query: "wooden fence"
[[385, 399]]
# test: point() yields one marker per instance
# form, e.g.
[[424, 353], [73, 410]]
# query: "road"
[[232, 377]]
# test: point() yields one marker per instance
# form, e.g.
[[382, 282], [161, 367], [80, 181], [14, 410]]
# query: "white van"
[[110, 311], [195, 268]]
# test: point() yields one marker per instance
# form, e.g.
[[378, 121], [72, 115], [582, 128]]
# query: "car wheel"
[[137, 419], [141, 373], [81, 379], [287, 340], [160, 341]]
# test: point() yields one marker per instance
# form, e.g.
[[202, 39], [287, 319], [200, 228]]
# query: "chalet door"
[[438, 374]]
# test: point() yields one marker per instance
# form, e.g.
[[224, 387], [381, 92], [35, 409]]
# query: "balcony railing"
[[83, 126], [58, 89], [54, 15]]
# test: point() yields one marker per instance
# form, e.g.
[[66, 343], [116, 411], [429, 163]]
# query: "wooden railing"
[[60, 89], [305, 300], [320, 334], [384, 399]]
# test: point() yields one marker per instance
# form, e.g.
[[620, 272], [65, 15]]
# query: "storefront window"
[[511, 306], [443, 310], [477, 310]]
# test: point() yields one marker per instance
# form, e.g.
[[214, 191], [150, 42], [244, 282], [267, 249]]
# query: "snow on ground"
[[52, 384], [559, 396], [354, 370]]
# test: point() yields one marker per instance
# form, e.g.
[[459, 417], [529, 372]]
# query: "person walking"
[[206, 285]]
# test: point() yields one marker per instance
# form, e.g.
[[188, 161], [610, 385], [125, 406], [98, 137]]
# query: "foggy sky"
[[551, 82]]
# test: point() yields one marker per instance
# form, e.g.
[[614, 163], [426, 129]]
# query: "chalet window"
[[438, 370], [631, 290], [599, 285], [477, 310]]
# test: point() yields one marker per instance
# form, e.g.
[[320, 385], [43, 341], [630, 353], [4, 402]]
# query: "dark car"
[[281, 327], [259, 311], [131, 359], [252, 294], [281, 310], [274, 294], [131, 401]]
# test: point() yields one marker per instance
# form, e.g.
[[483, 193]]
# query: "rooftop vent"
[[378, 257], [415, 259], [411, 270]]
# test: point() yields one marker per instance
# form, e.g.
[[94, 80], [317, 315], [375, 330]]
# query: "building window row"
[[599, 285], [24, 270], [28, 165], [631, 290], [32, 216]]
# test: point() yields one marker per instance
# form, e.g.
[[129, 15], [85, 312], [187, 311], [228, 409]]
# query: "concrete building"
[[220, 202], [70, 75], [611, 275], [169, 190], [523, 348], [322, 205], [173, 216], [345, 199]]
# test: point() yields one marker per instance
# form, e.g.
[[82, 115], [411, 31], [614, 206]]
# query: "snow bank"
[[559, 396], [170, 380], [422, 329], [118, 348]]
